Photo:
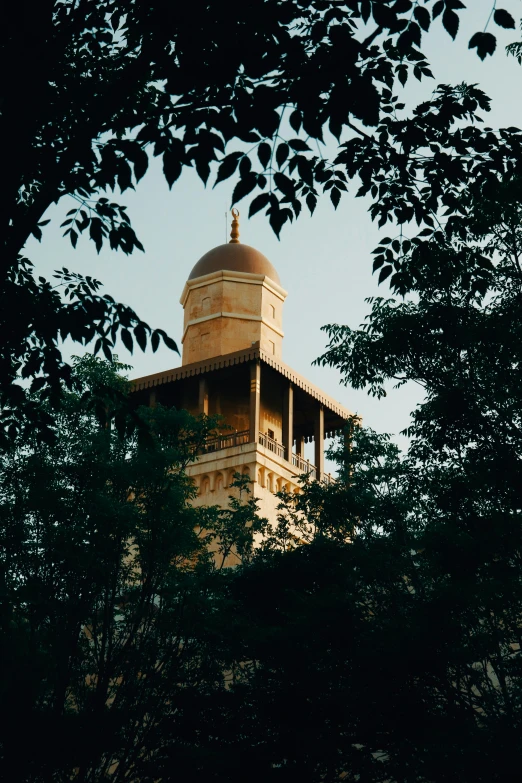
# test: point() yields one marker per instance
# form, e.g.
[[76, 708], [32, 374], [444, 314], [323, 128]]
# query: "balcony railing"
[[243, 437], [272, 445], [303, 465], [227, 441]]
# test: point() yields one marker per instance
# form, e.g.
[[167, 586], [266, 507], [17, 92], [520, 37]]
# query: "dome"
[[234, 257]]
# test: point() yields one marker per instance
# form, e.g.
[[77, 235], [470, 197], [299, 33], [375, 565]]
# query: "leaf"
[[95, 233], [485, 43], [298, 145], [141, 336], [258, 203], [154, 341], [228, 166], [203, 169], [438, 8], [245, 166], [366, 8], [504, 19], [282, 154], [385, 272], [244, 187], [450, 20], [264, 152], [141, 163], [295, 120], [126, 339], [311, 202], [171, 166], [285, 184], [402, 73], [169, 342], [422, 15], [335, 196]]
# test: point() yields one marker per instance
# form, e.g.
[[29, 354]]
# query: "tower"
[[232, 365]]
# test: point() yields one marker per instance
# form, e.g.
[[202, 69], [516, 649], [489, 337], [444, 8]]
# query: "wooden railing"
[[303, 465], [227, 441], [272, 445], [243, 437]]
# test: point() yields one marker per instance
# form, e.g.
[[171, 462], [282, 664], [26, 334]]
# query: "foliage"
[[400, 620], [388, 647], [379, 623], [107, 83], [385, 645], [109, 592]]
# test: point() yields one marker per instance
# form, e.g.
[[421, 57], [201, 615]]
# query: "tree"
[[106, 83], [110, 596], [387, 646]]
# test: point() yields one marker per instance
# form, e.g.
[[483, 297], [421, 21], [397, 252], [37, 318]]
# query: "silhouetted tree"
[[109, 592], [99, 85]]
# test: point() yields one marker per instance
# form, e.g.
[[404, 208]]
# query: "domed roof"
[[234, 257]]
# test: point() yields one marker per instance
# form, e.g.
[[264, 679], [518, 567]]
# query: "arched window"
[[205, 485], [219, 481]]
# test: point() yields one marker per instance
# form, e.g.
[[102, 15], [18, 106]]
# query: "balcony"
[[226, 441], [242, 438]]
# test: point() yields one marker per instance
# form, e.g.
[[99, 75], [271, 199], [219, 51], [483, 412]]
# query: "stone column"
[[319, 441], [288, 420], [203, 395], [255, 400], [299, 444]]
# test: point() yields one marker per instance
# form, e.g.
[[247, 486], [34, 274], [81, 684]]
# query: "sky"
[[324, 261]]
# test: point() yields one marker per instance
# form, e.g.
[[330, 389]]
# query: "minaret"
[[232, 365], [232, 300]]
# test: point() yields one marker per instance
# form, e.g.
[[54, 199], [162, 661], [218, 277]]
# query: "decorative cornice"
[[239, 357], [233, 277]]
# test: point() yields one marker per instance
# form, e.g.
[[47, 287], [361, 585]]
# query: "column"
[[299, 444], [152, 398], [319, 441], [255, 400], [288, 420], [203, 395]]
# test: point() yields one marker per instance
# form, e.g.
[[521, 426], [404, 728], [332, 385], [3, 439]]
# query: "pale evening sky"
[[324, 261]]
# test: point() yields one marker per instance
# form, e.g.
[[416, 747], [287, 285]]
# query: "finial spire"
[[234, 234]]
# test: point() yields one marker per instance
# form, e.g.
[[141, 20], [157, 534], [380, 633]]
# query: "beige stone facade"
[[232, 365], [227, 311]]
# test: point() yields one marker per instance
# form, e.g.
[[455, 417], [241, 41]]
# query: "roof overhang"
[[240, 357]]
